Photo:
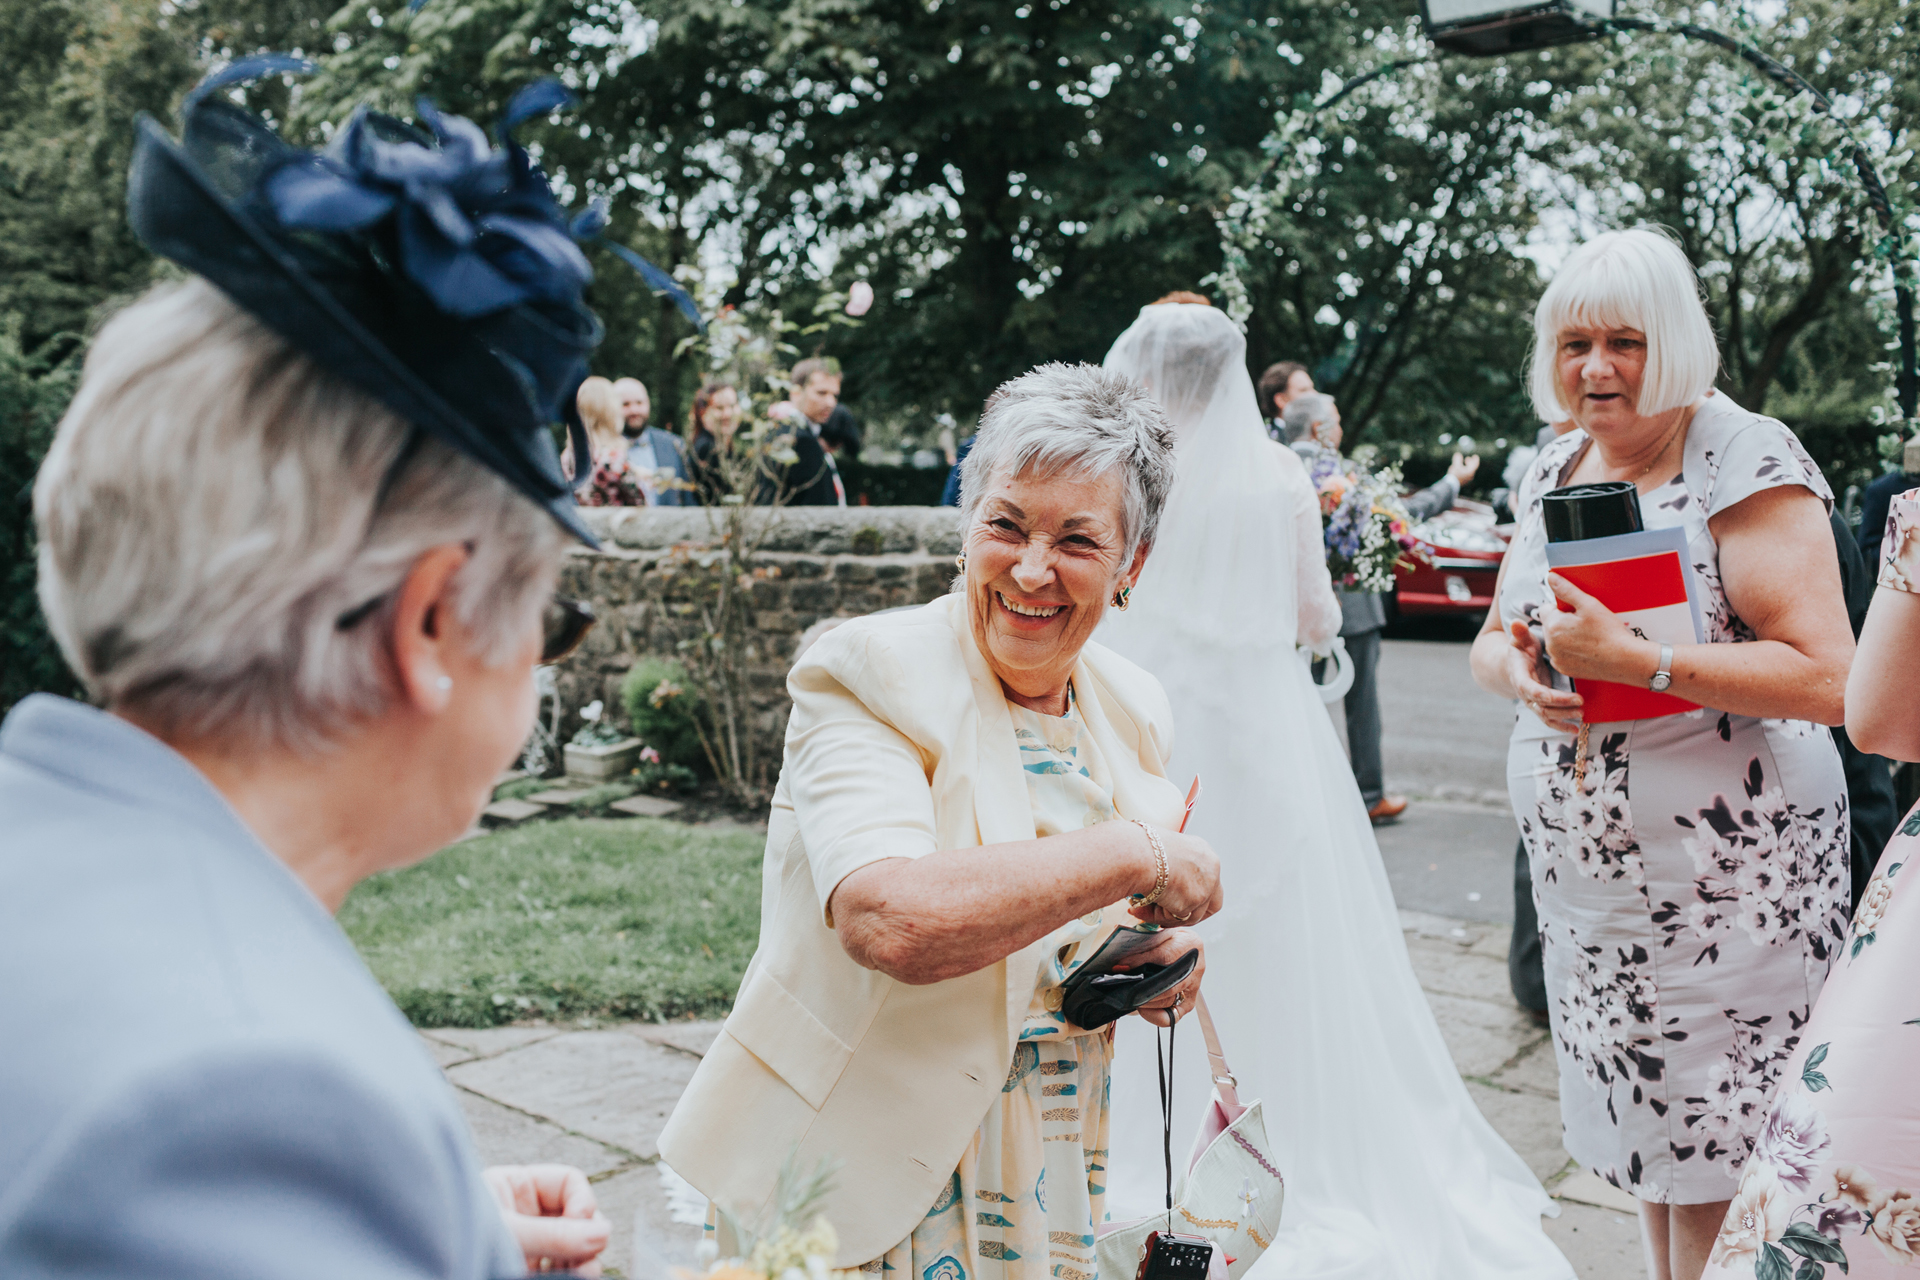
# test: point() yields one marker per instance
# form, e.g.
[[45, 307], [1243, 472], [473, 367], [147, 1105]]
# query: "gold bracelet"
[[1160, 860]]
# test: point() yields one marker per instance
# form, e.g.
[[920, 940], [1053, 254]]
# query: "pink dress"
[[1834, 1183]]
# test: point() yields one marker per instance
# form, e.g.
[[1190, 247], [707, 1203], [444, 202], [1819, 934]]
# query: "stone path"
[[598, 1097]]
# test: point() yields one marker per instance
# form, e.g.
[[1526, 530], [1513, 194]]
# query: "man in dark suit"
[[812, 479], [1313, 420]]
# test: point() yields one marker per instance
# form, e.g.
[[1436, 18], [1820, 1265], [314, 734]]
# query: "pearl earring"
[[444, 683]]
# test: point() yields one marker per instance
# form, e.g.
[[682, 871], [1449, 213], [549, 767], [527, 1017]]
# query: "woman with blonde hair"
[[613, 484], [1690, 869]]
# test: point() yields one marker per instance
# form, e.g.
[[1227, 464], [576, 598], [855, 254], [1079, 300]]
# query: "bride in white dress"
[[1392, 1173]]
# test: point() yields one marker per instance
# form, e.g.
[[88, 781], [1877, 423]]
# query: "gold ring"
[[546, 1264]]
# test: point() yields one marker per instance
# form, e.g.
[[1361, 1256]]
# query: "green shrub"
[[661, 706]]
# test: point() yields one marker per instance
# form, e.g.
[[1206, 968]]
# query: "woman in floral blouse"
[[614, 482], [1834, 1184], [1690, 870]]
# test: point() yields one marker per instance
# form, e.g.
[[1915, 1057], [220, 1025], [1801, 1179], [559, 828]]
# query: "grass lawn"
[[579, 917]]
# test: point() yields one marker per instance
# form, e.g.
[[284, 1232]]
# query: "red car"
[[1464, 546]]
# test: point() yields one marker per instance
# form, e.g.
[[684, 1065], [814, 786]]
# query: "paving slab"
[[646, 1243], [506, 1136], [1529, 1123], [647, 806], [1444, 966], [688, 1037], [1425, 924], [1588, 1187], [445, 1053], [484, 1042], [557, 795], [1535, 1072], [513, 810], [1482, 1036], [1600, 1243], [611, 1086]]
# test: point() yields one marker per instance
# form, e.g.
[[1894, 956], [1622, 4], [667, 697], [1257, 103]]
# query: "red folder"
[[1649, 592]]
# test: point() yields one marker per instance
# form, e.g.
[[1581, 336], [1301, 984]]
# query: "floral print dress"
[[1031, 1186], [1834, 1182], [1692, 893]]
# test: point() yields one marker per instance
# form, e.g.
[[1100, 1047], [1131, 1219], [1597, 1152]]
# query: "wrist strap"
[[1166, 1105], [1223, 1080]]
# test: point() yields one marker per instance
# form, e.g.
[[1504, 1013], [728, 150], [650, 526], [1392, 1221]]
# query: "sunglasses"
[[564, 624]]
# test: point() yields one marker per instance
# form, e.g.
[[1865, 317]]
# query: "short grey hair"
[[1305, 412], [1076, 419], [214, 503]]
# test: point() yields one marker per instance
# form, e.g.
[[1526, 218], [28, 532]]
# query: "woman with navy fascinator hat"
[[298, 536]]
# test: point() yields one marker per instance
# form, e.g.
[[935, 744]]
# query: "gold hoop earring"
[[960, 562], [1122, 598]]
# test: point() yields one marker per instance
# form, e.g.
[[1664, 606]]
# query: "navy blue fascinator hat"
[[428, 268]]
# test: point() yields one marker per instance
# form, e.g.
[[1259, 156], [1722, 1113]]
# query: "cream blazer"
[[900, 744]]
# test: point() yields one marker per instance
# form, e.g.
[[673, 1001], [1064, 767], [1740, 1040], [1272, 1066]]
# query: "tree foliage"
[[1017, 177]]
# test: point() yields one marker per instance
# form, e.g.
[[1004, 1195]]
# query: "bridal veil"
[[1392, 1173]]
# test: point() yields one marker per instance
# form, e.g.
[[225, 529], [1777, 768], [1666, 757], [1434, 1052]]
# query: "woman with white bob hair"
[[299, 532], [1690, 869], [973, 799]]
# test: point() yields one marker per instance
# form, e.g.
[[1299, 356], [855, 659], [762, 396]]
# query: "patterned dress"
[[1693, 893], [1024, 1201], [1834, 1183]]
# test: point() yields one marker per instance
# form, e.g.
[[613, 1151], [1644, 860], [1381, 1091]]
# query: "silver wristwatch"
[[1663, 678]]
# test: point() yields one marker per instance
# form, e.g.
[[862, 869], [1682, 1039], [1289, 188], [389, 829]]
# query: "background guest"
[[1313, 421], [1690, 870], [811, 479], [614, 483], [1278, 386], [651, 451], [1872, 808], [715, 419], [945, 848], [1526, 972], [1875, 498]]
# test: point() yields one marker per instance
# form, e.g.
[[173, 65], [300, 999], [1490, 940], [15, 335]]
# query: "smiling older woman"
[[1692, 886], [970, 794]]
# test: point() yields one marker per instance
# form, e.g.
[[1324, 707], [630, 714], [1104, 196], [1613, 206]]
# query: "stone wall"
[[828, 562]]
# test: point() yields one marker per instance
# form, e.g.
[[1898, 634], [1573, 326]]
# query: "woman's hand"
[[1169, 947], [1591, 642], [1526, 672], [1193, 880], [551, 1211]]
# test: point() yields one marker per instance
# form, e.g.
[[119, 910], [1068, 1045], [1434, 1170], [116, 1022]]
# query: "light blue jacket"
[[668, 452], [200, 1079]]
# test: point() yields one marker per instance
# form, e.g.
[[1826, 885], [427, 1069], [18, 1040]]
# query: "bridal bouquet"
[[1368, 531]]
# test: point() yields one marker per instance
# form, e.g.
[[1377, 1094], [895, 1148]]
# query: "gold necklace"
[[1666, 444]]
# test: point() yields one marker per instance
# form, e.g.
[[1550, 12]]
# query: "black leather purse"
[[1095, 995]]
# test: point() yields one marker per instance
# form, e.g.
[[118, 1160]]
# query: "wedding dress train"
[[1392, 1173]]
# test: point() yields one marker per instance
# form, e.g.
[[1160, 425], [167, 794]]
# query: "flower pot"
[[601, 763]]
